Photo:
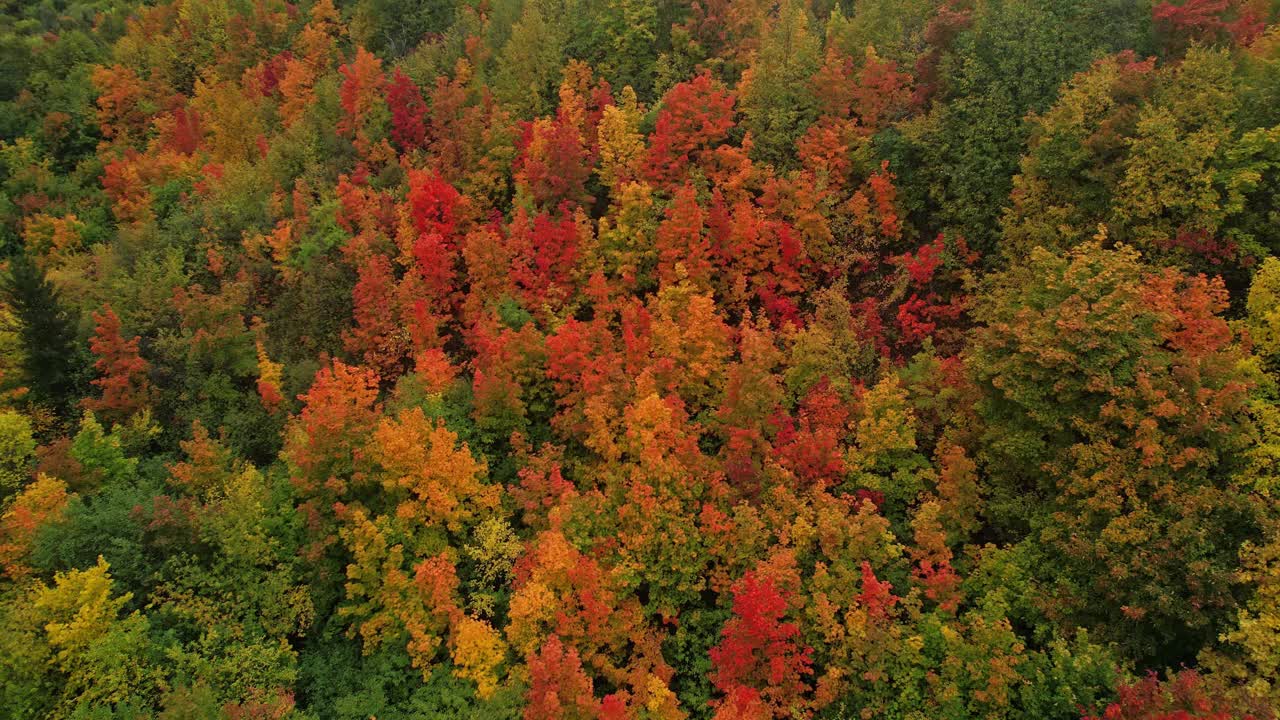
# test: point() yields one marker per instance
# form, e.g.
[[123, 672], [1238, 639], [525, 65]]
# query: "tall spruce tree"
[[51, 363]]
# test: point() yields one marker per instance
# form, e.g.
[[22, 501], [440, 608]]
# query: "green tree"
[[1100, 378], [52, 362], [528, 66], [1011, 61], [777, 102], [393, 28], [81, 618]]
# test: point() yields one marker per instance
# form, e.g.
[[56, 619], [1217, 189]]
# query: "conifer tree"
[[51, 363]]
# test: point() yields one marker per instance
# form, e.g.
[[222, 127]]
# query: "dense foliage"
[[630, 359]]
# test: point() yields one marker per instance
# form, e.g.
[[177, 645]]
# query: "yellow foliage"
[[536, 602], [478, 650], [531, 606], [443, 480], [387, 602], [887, 424], [79, 609], [1256, 664], [53, 238], [495, 549], [230, 118], [621, 142], [1264, 309]]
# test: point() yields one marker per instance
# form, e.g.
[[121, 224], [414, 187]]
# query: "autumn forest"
[[639, 359]]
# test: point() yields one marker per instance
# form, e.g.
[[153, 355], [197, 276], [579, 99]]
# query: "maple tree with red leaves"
[[124, 372]]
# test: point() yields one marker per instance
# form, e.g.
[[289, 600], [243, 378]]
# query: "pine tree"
[[51, 365]]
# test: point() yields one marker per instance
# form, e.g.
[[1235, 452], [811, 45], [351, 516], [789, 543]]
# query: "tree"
[[621, 143], [558, 688], [631, 46], [694, 117], [125, 386], [362, 91], [1098, 376], [1183, 696], [81, 617], [529, 63], [1208, 21], [396, 27], [50, 363], [1069, 173], [776, 101], [408, 110], [758, 662], [1011, 61], [16, 449], [41, 502]]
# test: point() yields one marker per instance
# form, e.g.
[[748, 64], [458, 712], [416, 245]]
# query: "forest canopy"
[[640, 359]]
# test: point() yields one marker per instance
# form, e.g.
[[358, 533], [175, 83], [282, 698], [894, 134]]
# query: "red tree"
[[1182, 697], [758, 653], [123, 371], [558, 687], [695, 117], [408, 112]]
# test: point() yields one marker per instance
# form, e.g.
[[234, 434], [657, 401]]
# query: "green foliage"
[[1011, 61], [1076, 420], [394, 27], [527, 70], [777, 104], [105, 524], [82, 623], [52, 362]]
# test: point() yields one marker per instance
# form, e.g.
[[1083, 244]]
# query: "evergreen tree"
[[51, 362]]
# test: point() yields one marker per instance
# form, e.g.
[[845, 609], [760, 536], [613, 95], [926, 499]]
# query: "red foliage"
[[696, 116], [1210, 20], [362, 86], [544, 252], [876, 595], [269, 72], [585, 362], [338, 413], [925, 262], [759, 651], [1182, 697], [186, 130], [433, 206], [681, 241], [377, 335], [919, 317], [558, 687], [760, 260], [935, 274], [432, 203], [881, 91], [122, 370], [408, 112], [1203, 245], [939, 33], [553, 161], [811, 447]]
